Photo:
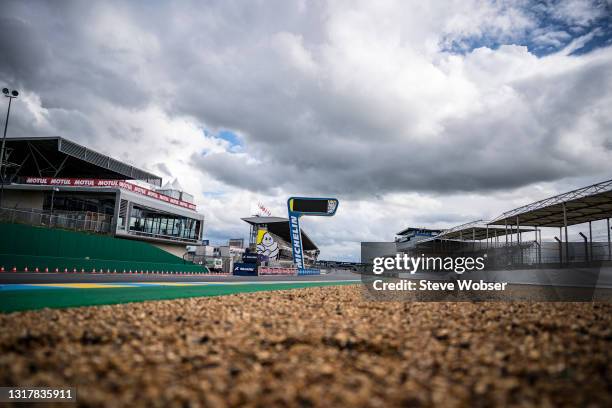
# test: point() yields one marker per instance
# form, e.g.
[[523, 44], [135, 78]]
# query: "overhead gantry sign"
[[299, 206]]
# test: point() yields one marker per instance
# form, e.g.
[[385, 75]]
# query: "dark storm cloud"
[[23, 51], [506, 147], [48, 49]]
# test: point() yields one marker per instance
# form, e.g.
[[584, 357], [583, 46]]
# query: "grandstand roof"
[[55, 156], [280, 226], [585, 204], [410, 229], [264, 220], [478, 230]]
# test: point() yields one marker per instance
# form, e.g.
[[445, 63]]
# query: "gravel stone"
[[316, 347]]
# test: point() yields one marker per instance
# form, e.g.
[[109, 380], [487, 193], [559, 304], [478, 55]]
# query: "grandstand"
[[279, 230], [54, 182], [408, 237]]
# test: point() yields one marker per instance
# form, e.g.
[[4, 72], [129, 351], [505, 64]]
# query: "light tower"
[[10, 94]]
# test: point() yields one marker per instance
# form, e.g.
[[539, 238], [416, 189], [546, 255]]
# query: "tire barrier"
[[268, 270]]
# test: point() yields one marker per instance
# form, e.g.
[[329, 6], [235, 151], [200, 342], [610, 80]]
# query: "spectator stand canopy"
[[280, 227], [479, 230], [473, 232], [584, 205], [56, 156]]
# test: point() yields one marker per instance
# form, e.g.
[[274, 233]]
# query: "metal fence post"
[[590, 243], [609, 243], [518, 231], [586, 247], [560, 250], [566, 238], [560, 245]]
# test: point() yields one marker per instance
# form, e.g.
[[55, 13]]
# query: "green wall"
[[28, 246]]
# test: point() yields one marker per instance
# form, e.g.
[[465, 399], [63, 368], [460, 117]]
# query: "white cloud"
[[579, 12]]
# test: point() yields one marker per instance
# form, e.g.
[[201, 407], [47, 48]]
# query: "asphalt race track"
[[45, 277], [30, 291]]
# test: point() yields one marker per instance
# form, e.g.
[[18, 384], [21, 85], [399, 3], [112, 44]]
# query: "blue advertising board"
[[245, 269]]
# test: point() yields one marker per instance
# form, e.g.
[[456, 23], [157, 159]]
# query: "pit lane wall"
[[25, 247]]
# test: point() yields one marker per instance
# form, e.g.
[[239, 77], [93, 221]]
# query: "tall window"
[[163, 225]]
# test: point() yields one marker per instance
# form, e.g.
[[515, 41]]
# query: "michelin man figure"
[[268, 246]]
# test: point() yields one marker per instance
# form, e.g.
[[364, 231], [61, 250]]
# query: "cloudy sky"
[[410, 112]]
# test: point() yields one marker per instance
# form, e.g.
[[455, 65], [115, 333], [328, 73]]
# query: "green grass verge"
[[19, 300]]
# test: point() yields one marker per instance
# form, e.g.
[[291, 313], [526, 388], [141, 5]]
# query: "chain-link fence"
[[77, 221]]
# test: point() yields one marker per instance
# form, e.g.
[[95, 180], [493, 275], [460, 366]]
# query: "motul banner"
[[72, 182], [277, 271]]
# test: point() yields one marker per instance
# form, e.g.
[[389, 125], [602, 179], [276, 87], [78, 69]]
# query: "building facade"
[[55, 181]]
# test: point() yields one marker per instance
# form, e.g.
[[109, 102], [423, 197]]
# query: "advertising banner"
[[296, 240], [266, 244], [277, 271], [245, 269], [73, 182]]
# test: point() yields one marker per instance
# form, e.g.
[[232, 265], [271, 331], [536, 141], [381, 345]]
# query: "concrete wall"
[[176, 250], [23, 199], [29, 246]]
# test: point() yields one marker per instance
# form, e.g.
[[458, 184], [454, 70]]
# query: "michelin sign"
[[266, 245], [299, 206]]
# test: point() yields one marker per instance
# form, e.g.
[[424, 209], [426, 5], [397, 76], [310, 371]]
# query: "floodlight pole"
[[8, 112]]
